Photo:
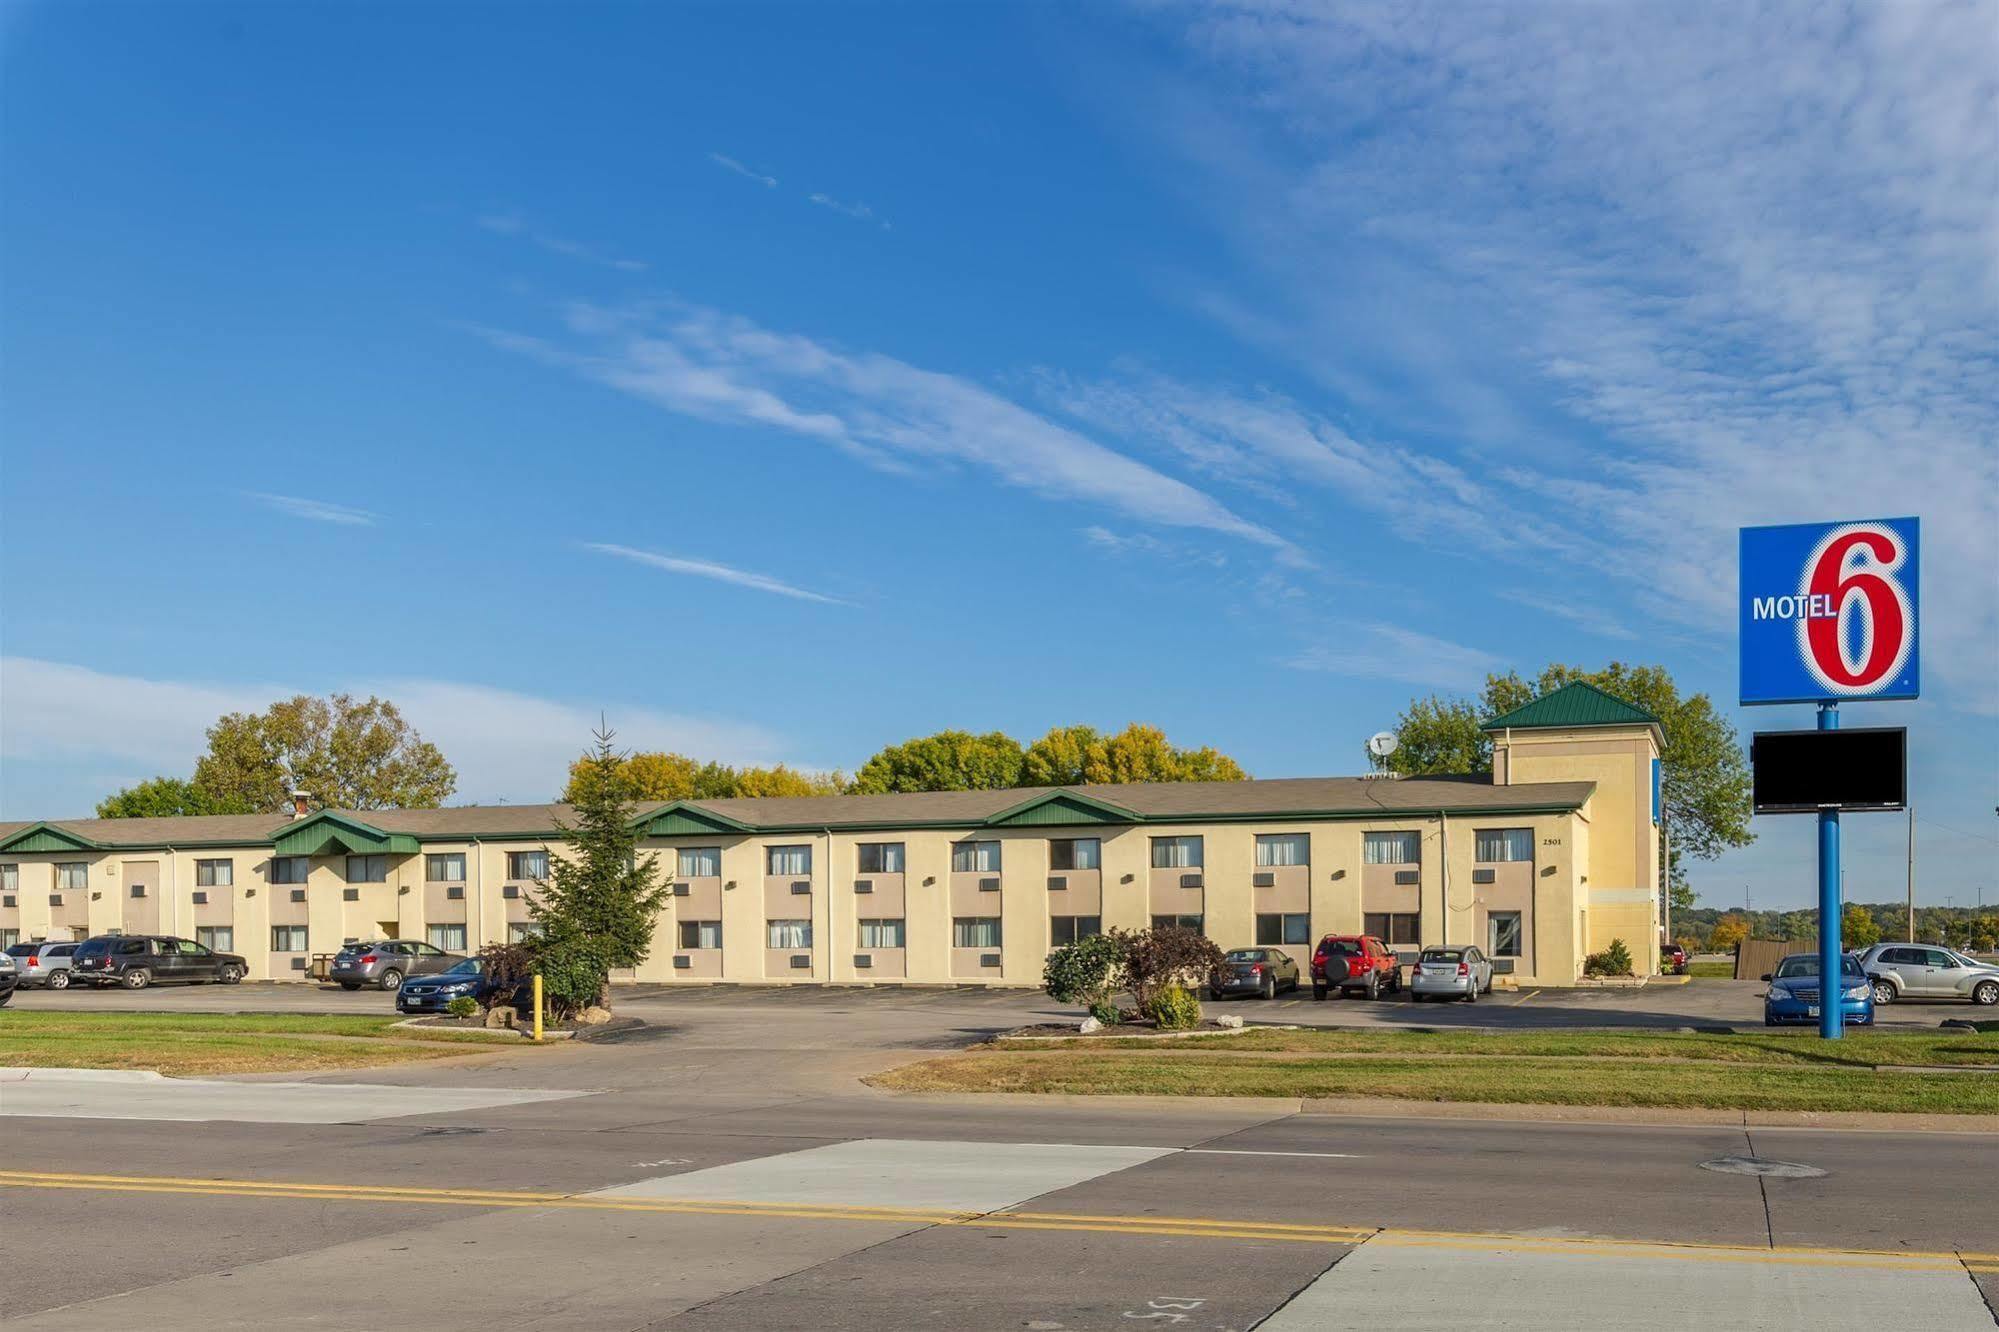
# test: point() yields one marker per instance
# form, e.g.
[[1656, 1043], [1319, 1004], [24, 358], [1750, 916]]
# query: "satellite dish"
[[1382, 743]]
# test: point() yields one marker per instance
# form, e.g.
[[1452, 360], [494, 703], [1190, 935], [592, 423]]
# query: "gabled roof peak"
[[1577, 703]]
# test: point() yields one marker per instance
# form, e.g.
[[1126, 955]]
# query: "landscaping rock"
[[593, 1016], [1231, 1022], [500, 1017], [1088, 1025]]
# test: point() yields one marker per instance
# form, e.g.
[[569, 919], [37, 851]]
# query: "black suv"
[[138, 960]]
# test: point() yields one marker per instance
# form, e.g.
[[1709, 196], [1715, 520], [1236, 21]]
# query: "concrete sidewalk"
[[90, 1093]]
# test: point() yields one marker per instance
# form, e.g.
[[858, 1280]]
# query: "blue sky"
[[785, 381]]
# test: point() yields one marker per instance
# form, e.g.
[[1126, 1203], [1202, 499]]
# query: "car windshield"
[[1343, 948], [1443, 955], [1245, 955], [22, 950], [1807, 964], [469, 967], [91, 947]]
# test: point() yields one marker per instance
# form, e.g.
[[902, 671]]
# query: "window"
[[8, 938], [881, 934], [1501, 844], [287, 938], [1068, 929], [1391, 848], [1274, 850], [214, 873], [527, 864], [700, 934], [789, 934], [10, 878], [1502, 933], [450, 938], [519, 931], [1291, 927], [1076, 853], [699, 862], [290, 869], [1394, 927], [367, 869], [879, 858], [975, 931], [72, 876], [788, 860], [446, 867], [1176, 853], [216, 938], [975, 857], [1195, 923]]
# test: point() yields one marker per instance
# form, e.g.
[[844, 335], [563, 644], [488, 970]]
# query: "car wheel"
[[350, 985], [1374, 985], [1884, 993], [6, 997], [392, 979], [1270, 987], [1318, 992], [1769, 1022], [138, 978], [59, 980], [1985, 993], [229, 975], [1471, 991]]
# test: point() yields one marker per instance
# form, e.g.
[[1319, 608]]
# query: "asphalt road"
[[727, 1170]]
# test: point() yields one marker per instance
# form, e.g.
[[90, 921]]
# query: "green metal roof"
[[327, 833], [46, 837], [1055, 808], [1574, 704]]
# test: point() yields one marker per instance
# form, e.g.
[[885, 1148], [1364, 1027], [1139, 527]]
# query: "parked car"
[[467, 979], [1457, 972], [10, 976], [1259, 971], [1673, 959], [387, 963], [43, 963], [138, 960], [1925, 971], [1354, 962], [1794, 994]]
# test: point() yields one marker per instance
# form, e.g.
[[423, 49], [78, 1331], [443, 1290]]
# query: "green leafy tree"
[[1071, 755], [600, 902], [666, 776], [342, 753], [1706, 773], [1729, 931], [946, 761], [1060, 758], [165, 797], [1090, 972], [1857, 927]]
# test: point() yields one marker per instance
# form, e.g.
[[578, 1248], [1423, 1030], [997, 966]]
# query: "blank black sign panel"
[[1806, 771]]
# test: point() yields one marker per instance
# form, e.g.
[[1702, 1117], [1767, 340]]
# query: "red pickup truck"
[[1357, 962]]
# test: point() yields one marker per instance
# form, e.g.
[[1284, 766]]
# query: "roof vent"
[[299, 804]]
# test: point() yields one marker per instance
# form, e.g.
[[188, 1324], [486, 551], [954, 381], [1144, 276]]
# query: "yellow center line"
[[1188, 1227]]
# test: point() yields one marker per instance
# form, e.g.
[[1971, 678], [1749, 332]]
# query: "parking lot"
[[1701, 1003]]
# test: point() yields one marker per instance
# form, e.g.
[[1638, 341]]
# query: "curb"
[[80, 1075]]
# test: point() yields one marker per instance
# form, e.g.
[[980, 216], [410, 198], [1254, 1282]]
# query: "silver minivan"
[[386, 963], [1926, 971], [43, 963]]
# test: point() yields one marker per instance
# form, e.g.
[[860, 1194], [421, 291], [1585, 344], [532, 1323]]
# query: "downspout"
[[1444, 836], [478, 891], [829, 905]]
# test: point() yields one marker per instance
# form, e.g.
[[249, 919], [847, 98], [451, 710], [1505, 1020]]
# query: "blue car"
[[467, 980], [1794, 992]]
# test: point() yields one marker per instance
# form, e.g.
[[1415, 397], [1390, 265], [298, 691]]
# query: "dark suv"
[[138, 960]]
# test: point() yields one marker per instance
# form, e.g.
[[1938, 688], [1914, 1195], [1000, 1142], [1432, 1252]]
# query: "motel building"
[[1546, 860]]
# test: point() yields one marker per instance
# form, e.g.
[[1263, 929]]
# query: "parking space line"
[[1525, 997]]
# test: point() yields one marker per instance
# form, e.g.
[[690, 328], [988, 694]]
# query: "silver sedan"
[[1451, 973]]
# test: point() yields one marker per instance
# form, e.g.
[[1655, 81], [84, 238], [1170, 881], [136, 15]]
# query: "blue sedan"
[[1794, 992]]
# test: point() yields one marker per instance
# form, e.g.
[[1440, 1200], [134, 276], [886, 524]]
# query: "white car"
[[1925, 971]]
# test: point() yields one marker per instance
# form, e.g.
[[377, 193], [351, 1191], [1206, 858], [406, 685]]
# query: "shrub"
[[1107, 1013], [464, 1006], [509, 967], [1173, 1008], [574, 974], [1087, 972], [1612, 961], [1168, 956]]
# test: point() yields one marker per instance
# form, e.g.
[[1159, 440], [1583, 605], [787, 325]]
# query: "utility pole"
[[1912, 871]]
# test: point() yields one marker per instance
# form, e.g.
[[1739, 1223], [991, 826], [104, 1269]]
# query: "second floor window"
[[1176, 853], [367, 869], [290, 869], [1075, 853], [1503, 844], [214, 873], [878, 858], [10, 878], [793, 861], [699, 862], [1275, 850], [74, 875], [447, 867], [527, 864], [975, 857], [1391, 848]]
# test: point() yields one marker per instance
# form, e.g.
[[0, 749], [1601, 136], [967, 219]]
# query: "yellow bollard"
[[537, 1005]]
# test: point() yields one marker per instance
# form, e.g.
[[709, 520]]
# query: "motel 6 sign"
[[1829, 612]]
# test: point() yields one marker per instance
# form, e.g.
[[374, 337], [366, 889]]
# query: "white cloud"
[[886, 412], [508, 224], [317, 511], [860, 212], [731, 164], [1389, 652], [721, 573], [1669, 270], [62, 726]]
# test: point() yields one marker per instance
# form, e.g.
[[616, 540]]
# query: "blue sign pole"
[[1831, 981]]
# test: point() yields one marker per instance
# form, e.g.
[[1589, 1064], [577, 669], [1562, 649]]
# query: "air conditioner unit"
[[864, 885], [988, 885], [1408, 876], [350, 894], [1263, 879], [1484, 876], [682, 962], [298, 894], [989, 959], [200, 899], [801, 961], [1057, 883], [681, 889], [455, 893], [863, 961], [801, 886], [8, 900], [511, 891], [55, 899], [298, 964], [1190, 881]]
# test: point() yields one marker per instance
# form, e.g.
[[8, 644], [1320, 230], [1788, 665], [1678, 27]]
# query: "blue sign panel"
[[1829, 611]]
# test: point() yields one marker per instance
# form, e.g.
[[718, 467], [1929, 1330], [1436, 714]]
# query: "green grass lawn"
[[1754, 1071], [190, 1044], [1711, 970]]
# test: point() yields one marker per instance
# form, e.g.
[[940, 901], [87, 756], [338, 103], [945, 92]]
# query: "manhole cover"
[[1761, 1165]]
